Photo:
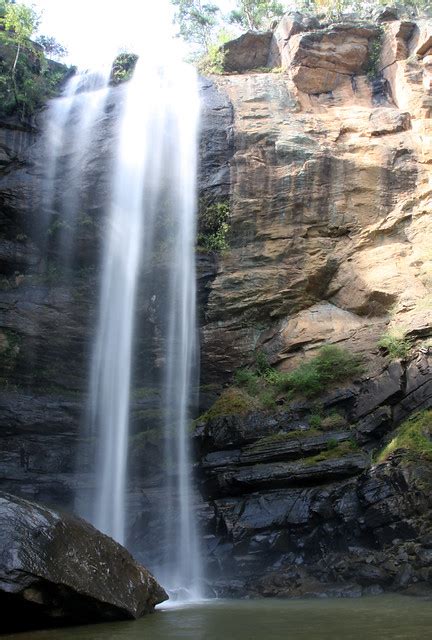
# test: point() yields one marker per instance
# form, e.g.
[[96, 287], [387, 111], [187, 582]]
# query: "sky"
[[93, 30]]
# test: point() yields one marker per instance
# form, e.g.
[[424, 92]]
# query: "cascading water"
[[152, 210], [71, 121], [148, 216]]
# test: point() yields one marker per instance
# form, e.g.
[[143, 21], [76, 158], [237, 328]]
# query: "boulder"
[[395, 42], [319, 61], [56, 569], [249, 51], [291, 24]]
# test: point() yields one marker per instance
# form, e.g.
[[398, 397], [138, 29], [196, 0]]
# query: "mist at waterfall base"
[[147, 269]]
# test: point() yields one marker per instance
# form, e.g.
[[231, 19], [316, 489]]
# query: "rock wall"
[[329, 244]]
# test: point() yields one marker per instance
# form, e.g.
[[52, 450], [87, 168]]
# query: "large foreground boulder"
[[56, 569]]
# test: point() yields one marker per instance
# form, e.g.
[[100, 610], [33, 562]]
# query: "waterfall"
[[146, 132], [152, 210]]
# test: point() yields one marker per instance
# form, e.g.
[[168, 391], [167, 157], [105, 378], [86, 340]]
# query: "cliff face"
[[330, 201], [325, 166], [330, 229]]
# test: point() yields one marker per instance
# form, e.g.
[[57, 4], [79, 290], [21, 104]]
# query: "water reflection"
[[383, 618]]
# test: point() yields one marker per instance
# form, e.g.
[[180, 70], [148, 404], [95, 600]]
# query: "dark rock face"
[[296, 512], [56, 569]]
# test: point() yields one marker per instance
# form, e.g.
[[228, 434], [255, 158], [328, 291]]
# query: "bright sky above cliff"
[[94, 29]]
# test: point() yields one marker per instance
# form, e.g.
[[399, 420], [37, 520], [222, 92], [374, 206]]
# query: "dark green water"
[[379, 618]]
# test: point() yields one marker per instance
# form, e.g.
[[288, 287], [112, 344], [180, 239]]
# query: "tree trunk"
[[13, 73]]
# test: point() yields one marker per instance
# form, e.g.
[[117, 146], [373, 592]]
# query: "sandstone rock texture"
[[56, 569], [330, 197]]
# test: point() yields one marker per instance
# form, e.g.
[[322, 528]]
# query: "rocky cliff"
[[330, 207], [316, 173]]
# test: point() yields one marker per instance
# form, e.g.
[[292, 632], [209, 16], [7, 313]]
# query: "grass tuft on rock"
[[331, 365], [395, 344], [414, 437]]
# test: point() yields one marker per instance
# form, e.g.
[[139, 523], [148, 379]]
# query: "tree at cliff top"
[[197, 21], [21, 21], [256, 14], [335, 8], [52, 48], [27, 79]]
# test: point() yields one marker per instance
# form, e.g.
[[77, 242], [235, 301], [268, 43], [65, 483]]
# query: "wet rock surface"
[[56, 569]]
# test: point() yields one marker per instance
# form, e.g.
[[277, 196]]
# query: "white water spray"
[[151, 212], [154, 189]]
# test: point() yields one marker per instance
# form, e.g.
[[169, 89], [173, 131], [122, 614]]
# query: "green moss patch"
[[333, 451], [414, 437], [232, 401]]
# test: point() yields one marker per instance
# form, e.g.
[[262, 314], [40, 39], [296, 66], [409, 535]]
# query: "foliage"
[[334, 420], [211, 62], [414, 437], [262, 365], [396, 344], [27, 79], [213, 226], [333, 451], [51, 47], [265, 384], [363, 8], [267, 399], [197, 21], [256, 14], [231, 402], [123, 67], [332, 364], [10, 350], [315, 420], [247, 379], [374, 56], [21, 20]]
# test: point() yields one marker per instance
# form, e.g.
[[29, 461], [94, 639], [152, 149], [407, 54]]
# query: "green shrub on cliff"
[[123, 67], [27, 77], [414, 437], [395, 344], [213, 226], [332, 364]]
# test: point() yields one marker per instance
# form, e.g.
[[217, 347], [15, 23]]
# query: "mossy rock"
[[413, 438], [333, 452]]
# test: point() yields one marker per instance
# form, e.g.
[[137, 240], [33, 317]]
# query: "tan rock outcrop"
[[331, 202], [319, 61]]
